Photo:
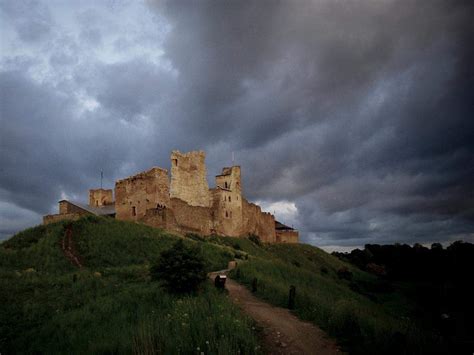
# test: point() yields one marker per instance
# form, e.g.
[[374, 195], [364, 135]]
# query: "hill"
[[110, 305]]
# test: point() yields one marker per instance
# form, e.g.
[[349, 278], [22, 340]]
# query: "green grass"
[[362, 318], [111, 305]]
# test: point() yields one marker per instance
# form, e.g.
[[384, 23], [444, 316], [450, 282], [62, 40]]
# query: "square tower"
[[188, 178], [100, 197]]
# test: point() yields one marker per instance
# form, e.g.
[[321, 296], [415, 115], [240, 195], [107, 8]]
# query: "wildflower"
[[198, 348], [207, 342]]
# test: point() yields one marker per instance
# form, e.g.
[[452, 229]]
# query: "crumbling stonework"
[[139, 193], [186, 204], [100, 197], [287, 236], [67, 211], [188, 178], [261, 224]]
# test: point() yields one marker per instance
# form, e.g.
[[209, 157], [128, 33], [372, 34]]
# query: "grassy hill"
[[47, 305]]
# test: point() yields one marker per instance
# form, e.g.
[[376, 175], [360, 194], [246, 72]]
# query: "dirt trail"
[[67, 246], [283, 332]]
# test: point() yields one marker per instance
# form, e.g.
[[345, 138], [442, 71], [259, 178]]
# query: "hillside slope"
[[49, 305]]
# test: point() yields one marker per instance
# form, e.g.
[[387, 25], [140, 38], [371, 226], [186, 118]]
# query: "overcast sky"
[[352, 120]]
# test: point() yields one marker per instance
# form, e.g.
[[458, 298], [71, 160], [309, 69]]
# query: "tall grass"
[[361, 324], [111, 305]]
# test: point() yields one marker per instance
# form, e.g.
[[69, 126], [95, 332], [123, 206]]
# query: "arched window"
[[230, 199], [134, 211], [226, 214], [225, 184]]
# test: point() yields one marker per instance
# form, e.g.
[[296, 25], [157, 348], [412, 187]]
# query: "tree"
[[181, 269]]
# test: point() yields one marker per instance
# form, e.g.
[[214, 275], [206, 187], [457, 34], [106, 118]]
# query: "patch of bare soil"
[[68, 247]]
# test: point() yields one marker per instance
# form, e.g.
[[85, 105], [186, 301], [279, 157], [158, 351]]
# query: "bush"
[[195, 237], [181, 269], [255, 239]]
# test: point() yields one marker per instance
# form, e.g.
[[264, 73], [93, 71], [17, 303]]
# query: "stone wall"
[[52, 218], [189, 218], [138, 193], [65, 207], [188, 178], [287, 236], [257, 222], [100, 197]]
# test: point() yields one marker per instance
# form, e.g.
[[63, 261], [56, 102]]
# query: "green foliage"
[[111, 305], [255, 239], [346, 310], [181, 269]]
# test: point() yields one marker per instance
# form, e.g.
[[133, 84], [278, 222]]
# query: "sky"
[[352, 120]]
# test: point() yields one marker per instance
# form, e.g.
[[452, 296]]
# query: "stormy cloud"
[[352, 120]]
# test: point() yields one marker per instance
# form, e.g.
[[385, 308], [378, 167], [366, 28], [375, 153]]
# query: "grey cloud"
[[358, 112], [31, 19]]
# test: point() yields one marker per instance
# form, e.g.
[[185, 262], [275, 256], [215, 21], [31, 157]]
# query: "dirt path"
[[283, 332], [67, 246]]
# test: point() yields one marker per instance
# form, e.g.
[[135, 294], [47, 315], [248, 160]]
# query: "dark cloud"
[[358, 114]]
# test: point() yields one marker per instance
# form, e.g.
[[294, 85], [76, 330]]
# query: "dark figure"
[[291, 298], [219, 281], [254, 285]]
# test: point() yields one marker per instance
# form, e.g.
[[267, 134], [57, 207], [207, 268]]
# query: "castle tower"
[[228, 202], [188, 178], [100, 197]]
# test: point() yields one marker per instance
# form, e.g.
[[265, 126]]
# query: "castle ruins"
[[184, 204]]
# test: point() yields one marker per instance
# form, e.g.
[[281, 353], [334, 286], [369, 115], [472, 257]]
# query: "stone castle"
[[184, 204]]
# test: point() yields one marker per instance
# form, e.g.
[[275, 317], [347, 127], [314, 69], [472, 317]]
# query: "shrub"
[[255, 239], [196, 237], [181, 269]]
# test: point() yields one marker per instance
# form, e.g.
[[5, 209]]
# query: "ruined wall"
[[138, 193], [257, 222], [65, 207], [189, 218], [286, 236], [52, 218], [100, 197], [188, 178], [160, 218]]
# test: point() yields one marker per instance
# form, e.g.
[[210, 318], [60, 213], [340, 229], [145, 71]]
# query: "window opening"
[[175, 162], [134, 211]]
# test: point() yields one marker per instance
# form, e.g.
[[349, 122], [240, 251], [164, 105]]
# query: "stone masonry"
[[184, 204]]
